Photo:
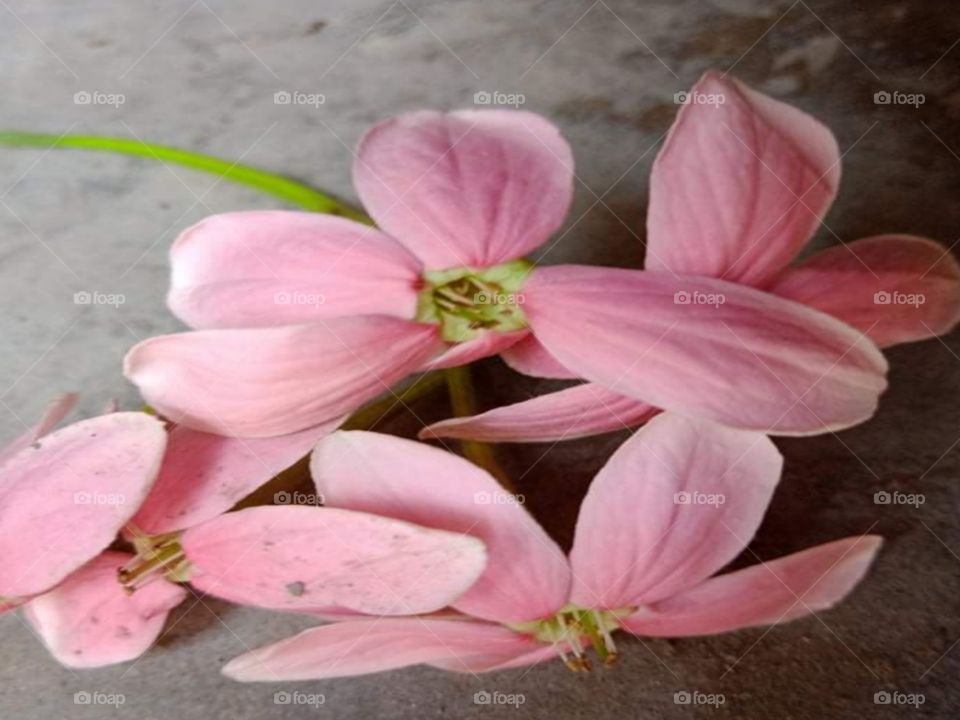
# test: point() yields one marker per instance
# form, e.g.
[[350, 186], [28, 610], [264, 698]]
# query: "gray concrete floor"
[[202, 74]]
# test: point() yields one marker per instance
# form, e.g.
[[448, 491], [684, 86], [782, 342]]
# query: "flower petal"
[[55, 412], [273, 381], [739, 186], [707, 348], [204, 475], [487, 344], [672, 506], [530, 357], [527, 576], [472, 188], [893, 288], [308, 558], [90, 621], [270, 267], [767, 594], [579, 411], [63, 499], [361, 647]]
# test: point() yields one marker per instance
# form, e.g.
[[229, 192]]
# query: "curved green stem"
[[308, 198], [463, 401], [291, 191]]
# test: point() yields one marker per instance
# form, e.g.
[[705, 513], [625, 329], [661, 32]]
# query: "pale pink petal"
[[487, 344], [531, 358], [55, 412], [538, 652], [707, 348], [309, 558], [63, 499], [273, 381], [466, 189], [362, 647], [773, 592], [88, 620], [269, 267], [527, 575], [672, 506], [739, 186], [579, 411], [204, 475], [893, 288]]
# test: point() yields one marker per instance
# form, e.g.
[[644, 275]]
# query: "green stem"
[[291, 191], [308, 198], [463, 402]]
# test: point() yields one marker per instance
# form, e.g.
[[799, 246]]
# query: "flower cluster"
[[409, 553]]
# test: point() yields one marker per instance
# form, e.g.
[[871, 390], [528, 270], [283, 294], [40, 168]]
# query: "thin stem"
[[463, 402], [293, 192]]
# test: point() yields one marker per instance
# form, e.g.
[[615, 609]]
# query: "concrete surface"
[[203, 75]]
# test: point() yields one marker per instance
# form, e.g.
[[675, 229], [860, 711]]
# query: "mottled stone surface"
[[203, 75]]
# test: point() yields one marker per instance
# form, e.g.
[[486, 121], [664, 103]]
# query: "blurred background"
[[212, 76]]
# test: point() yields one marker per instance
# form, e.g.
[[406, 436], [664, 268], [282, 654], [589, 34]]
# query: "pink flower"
[[674, 505], [66, 495], [735, 194], [301, 317]]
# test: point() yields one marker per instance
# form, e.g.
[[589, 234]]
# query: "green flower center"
[[574, 628], [157, 555], [465, 302]]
